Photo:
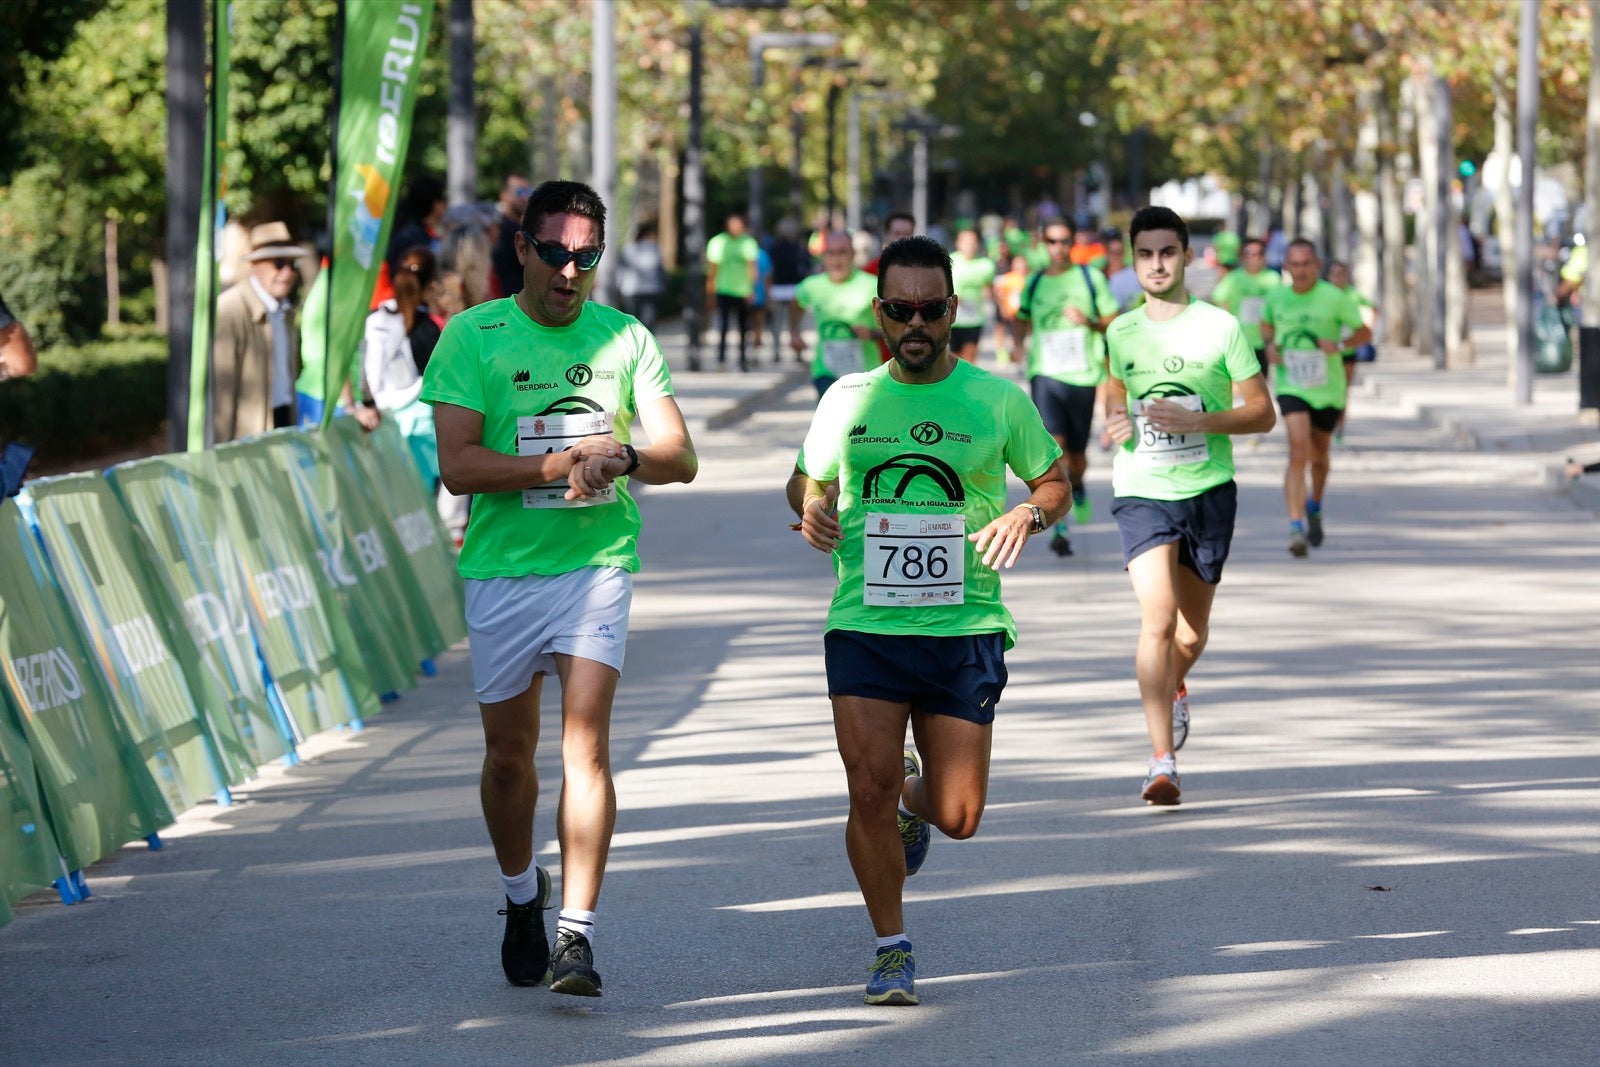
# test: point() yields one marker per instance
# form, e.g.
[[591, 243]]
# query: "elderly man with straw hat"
[[255, 351]]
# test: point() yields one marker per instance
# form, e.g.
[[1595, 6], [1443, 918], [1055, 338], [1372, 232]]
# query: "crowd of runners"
[[902, 478]]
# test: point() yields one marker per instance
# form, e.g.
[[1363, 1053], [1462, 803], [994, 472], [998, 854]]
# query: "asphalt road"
[[1387, 850]]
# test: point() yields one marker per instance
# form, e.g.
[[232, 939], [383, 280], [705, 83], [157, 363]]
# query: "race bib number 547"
[[915, 560]]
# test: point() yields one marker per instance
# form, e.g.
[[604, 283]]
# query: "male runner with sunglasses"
[[1067, 308], [913, 454], [534, 399], [1174, 363]]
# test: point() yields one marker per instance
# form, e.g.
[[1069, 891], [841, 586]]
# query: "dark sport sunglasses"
[[903, 310], [556, 256]]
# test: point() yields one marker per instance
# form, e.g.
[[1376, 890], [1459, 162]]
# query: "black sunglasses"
[[556, 256], [904, 310]]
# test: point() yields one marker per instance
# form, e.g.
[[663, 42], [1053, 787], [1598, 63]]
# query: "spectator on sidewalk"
[[399, 340], [641, 278], [732, 262], [255, 353], [513, 202], [791, 264]]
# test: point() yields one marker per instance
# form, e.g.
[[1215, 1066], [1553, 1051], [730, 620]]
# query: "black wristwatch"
[[1038, 517], [633, 460]]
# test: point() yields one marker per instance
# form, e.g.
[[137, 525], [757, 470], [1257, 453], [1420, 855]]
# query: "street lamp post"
[[921, 127], [759, 43]]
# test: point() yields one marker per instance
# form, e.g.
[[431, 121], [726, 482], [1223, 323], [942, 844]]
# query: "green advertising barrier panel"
[[176, 505], [30, 859], [133, 629], [97, 787], [381, 462], [300, 624], [354, 556]]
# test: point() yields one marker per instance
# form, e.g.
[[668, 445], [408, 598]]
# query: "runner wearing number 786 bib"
[[1173, 365], [913, 454]]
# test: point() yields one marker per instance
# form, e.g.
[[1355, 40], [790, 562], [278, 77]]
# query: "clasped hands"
[[596, 463]]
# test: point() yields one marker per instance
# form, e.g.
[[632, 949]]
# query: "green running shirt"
[[1244, 295], [837, 306], [926, 464], [1056, 348], [732, 257], [540, 388], [1298, 322], [971, 277], [1194, 359]]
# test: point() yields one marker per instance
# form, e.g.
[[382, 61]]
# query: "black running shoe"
[[1314, 529], [1060, 545], [524, 953], [572, 966]]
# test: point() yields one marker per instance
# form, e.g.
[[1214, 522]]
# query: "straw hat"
[[271, 240]]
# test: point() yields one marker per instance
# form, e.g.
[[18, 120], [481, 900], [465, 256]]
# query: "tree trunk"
[[158, 284], [667, 206], [1450, 300], [113, 275], [1505, 150], [1589, 327], [1291, 198], [1396, 317], [1339, 246], [1430, 327], [1365, 269], [1311, 192], [461, 130], [1261, 219]]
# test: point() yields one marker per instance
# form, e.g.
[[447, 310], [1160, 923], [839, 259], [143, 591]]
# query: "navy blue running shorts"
[[959, 676], [1324, 419], [1202, 526], [1067, 410]]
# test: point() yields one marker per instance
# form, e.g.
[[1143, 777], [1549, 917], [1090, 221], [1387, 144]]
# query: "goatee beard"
[[916, 366]]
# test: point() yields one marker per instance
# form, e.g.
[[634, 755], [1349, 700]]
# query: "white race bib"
[[1250, 309], [1062, 352], [539, 435], [842, 356], [1306, 369], [915, 561], [1158, 448]]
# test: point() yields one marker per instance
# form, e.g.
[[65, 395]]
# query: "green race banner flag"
[[135, 634], [382, 59], [30, 859], [175, 501], [311, 652], [381, 464], [213, 217], [97, 787], [356, 561]]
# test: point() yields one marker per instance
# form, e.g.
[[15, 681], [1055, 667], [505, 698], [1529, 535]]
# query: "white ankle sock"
[[892, 940], [522, 888], [578, 921]]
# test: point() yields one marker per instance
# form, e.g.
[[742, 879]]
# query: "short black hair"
[[1307, 243], [419, 197], [1060, 220], [1158, 218], [563, 198], [908, 216], [918, 251]]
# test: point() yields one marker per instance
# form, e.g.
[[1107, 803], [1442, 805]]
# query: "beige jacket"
[[241, 364]]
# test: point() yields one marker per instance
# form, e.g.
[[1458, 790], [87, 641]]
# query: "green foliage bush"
[[89, 399], [52, 250]]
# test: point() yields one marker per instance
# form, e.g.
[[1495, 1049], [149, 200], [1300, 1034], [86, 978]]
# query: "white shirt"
[[282, 387]]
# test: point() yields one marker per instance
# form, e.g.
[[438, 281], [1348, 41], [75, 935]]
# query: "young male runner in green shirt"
[[913, 455], [1174, 363], [1302, 325], [1243, 293], [534, 400], [1062, 316]]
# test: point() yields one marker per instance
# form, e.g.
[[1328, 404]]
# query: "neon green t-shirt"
[[837, 306], [732, 257], [972, 276], [1298, 322], [314, 338], [540, 389], [1193, 359], [1056, 348], [919, 467], [1244, 295]]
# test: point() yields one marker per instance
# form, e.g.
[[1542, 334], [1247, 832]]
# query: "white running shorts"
[[516, 626]]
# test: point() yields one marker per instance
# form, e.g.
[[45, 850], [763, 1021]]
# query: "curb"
[[745, 406]]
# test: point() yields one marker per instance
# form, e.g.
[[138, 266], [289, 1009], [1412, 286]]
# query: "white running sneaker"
[[1180, 718], [1161, 784]]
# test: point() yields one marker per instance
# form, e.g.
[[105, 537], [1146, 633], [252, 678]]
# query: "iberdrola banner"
[[213, 217], [382, 62]]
